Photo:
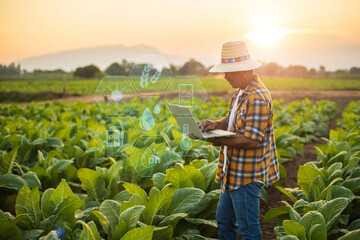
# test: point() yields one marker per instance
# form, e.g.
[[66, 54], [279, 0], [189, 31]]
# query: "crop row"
[[328, 203], [41, 145]]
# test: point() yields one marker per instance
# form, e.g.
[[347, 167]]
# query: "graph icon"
[[186, 93]]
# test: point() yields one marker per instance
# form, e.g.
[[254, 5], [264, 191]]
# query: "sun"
[[267, 33], [116, 95]]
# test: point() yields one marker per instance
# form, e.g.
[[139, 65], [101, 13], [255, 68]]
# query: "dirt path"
[[342, 97]]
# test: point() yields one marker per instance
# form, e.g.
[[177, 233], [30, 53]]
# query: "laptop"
[[186, 120]]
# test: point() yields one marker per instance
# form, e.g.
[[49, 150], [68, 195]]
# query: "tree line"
[[191, 67]]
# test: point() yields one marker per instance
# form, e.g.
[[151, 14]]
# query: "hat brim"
[[236, 66]]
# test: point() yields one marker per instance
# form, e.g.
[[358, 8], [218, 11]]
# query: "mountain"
[[101, 56]]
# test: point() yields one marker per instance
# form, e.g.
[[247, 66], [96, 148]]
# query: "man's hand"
[[208, 125], [190, 135]]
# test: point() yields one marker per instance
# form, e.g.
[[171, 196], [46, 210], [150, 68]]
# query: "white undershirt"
[[231, 121]]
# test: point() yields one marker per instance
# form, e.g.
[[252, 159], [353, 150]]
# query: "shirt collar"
[[251, 86]]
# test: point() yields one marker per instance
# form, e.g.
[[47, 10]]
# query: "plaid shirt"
[[254, 120]]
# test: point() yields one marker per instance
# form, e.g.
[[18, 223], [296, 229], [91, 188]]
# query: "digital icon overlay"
[[115, 95], [186, 92]]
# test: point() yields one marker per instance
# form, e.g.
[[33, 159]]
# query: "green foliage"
[[105, 197], [329, 189]]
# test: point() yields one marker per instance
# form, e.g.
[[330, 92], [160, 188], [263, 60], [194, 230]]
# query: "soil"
[[22, 97]]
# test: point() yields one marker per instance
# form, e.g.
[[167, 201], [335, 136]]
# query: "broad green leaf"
[[141, 233], [196, 176], [94, 230], [200, 206], [178, 178], [54, 142], [339, 157], [274, 212], [327, 192], [279, 231], [113, 172], [173, 219], [61, 165], [287, 193], [209, 223], [92, 183], [31, 180], [50, 236], [31, 234], [11, 181], [136, 200], [332, 210], [132, 188], [336, 174], [158, 179], [311, 218], [153, 191], [111, 210], [28, 202], [9, 231], [164, 233], [122, 196], [8, 161], [354, 225], [38, 142], [131, 216], [305, 176], [156, 202], [289, 237], [86, 233], [293, 228], [353, 184], [185, 199], [45, 210], [316, 187], [334, 167], [208, 171], [57, 197], [351, 235], [103, 221], [66, 209], [317, 232], [127, 204], [120, 230], [294, 215]]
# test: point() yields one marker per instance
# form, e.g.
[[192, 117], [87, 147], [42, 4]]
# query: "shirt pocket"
[[239, 122]]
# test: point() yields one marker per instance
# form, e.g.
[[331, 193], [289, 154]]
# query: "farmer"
[[247, 160]]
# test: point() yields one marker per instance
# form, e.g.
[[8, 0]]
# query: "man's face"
[[237, 79]]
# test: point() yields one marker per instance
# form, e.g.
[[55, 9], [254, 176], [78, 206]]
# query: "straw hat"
[[235, 57]]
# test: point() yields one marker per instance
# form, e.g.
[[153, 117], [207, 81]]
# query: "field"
[[58, 180], [51, 85]]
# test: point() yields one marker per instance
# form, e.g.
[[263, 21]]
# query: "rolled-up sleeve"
[[257, 119]]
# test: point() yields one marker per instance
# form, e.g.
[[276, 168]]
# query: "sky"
[[307, 32]]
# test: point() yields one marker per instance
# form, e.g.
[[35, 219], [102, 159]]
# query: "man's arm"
[[238, 141], [222, 123], [209, 125]]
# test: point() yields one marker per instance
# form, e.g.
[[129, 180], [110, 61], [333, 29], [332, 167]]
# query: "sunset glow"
[[267, 33]]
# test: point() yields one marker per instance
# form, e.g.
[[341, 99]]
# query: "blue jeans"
[[240, 209]]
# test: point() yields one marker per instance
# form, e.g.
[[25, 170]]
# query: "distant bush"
[[10, 70], [89, 71]]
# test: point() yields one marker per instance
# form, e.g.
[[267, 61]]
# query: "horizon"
[[275, 32]]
